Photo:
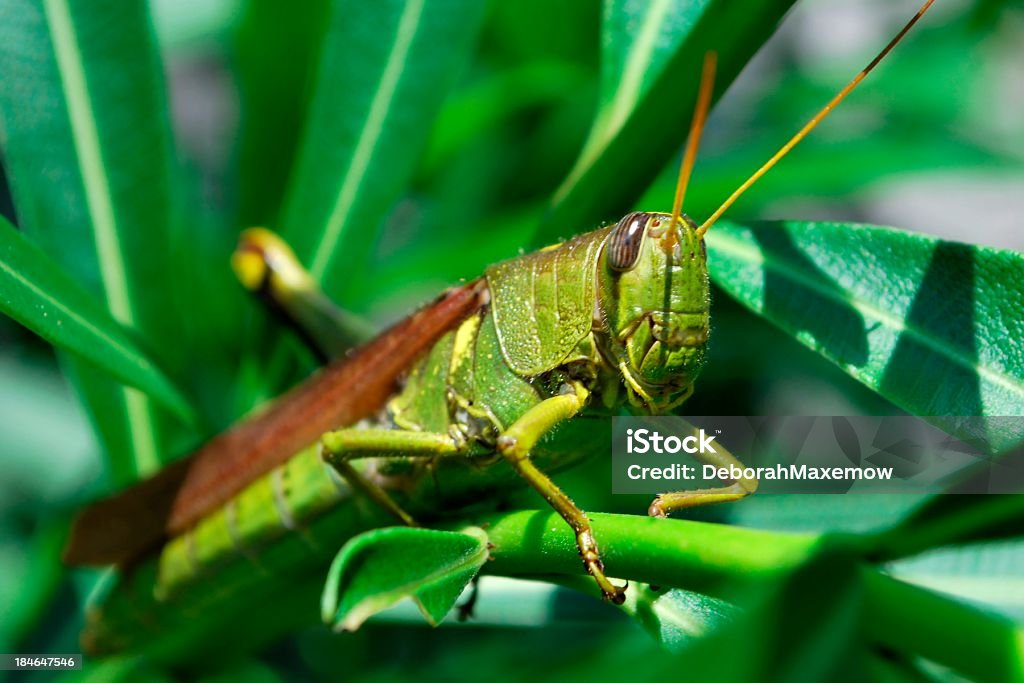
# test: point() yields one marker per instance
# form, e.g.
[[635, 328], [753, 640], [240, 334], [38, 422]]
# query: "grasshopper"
[[498, 380]]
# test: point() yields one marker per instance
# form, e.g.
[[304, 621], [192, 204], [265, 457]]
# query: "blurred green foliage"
[[420, 141]]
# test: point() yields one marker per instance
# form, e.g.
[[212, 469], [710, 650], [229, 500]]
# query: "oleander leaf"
[[88, 149], [678, 618], [922, 321], [39, 295], [378, 568], [651, 65], [384, 70], [946, 520]]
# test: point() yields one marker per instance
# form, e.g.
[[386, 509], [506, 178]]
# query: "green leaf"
[[37, 582], [36, 292], [950, 520], [904, 618], [985, 574], [378, 568], [651, 68], [468, 116], [274, 95], [677, 618], [803, 626], [89, 153], [385, 68], [922, 321]]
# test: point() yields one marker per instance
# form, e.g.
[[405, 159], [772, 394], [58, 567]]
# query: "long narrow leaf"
[[88, 150], [922, 321], [650, 73], [275, 51], [36, 292], [384, 71], [951, 520]]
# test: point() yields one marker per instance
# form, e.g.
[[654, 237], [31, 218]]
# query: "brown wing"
[[128, 524]]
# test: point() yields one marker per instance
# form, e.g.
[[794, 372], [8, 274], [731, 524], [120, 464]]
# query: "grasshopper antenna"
[[815, 120], [700, 115]]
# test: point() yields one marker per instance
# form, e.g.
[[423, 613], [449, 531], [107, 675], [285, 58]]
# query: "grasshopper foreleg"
[[340, 447], [666, 503], [515, 445]]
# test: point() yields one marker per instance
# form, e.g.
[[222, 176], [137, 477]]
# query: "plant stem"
[[708, 557], [909, 618], [693, 555]]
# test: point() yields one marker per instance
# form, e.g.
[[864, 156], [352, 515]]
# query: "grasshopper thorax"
[[654, 300]]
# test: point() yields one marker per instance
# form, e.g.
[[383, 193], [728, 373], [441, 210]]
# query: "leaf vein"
[[101, 211], [408, 25]]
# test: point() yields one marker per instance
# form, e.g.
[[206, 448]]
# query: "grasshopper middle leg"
[[666, 503], [515, 445], [344, 445]]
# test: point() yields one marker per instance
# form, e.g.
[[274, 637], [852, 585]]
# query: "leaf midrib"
[[81, 321], [101, 211], [623, 102], [408, 26]]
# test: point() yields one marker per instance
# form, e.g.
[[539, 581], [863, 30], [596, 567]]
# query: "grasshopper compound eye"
[[625, 242]]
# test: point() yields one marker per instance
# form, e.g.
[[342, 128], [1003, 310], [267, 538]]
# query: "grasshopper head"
[[654, 299]]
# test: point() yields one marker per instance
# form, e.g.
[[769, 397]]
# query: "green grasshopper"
[[499, 380]]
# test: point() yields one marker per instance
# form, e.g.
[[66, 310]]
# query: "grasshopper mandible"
[[497, 378]]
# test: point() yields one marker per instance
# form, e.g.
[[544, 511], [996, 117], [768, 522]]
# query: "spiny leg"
[[340, 447], [515, 445], [267, 267], [666, 503]]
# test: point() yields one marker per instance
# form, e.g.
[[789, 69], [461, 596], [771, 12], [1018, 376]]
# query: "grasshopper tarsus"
[[619, 596], [655, 509]]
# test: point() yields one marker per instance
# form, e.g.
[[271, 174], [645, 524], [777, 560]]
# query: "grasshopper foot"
[[595, 567], [666, 503], [656, 509]]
